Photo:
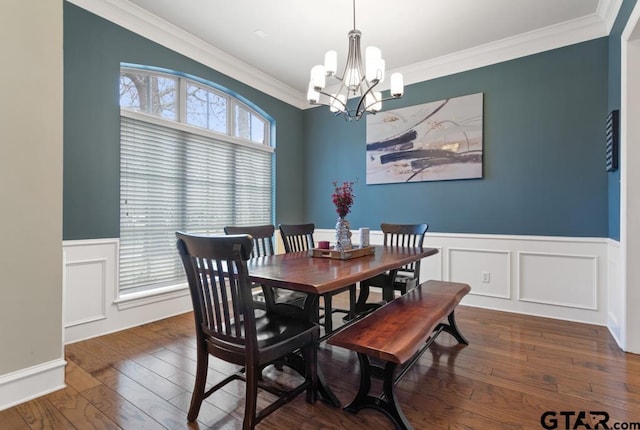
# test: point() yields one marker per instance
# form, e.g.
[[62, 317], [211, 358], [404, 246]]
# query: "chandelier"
[[358, 80]]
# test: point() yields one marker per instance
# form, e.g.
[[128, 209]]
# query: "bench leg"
[[387, 403], [452, 329]]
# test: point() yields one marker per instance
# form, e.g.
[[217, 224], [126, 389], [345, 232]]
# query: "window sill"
[[142, 298]]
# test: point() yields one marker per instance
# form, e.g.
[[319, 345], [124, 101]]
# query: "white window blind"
[[171, 180]]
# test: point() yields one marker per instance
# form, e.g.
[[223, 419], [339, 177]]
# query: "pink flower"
[[342, 197]]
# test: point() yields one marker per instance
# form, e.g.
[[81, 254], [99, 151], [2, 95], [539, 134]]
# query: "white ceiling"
[[421, 38]]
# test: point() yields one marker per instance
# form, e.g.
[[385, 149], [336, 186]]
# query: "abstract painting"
[[430, 142]]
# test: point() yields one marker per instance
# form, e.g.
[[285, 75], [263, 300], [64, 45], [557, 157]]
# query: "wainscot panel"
[[92, 305], [556, 277]]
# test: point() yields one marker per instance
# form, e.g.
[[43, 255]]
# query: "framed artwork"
[[613, 125], [430, 142]]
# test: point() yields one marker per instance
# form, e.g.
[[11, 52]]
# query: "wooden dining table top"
[[317, 275]]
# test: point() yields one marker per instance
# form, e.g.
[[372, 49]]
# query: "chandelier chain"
[[354, 14]]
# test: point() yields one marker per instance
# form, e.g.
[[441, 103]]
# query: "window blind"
[[173, 180]]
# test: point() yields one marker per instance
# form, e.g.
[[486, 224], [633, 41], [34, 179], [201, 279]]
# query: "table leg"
[[384, 281], [312, 309], [361, 305], [387, 288]]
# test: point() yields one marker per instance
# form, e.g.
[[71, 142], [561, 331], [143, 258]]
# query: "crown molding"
[[608, 12], [139, 21], [533, 42], [144, 23]]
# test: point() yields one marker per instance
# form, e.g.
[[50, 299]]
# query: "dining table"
[[306, 272]]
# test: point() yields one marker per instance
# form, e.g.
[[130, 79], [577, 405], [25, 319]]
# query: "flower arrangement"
[[343, 197]]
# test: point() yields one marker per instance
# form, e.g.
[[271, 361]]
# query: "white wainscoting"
[[92, 306], [556, 277], [616, 296]]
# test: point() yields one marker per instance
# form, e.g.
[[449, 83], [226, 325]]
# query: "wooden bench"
[[397, 334]]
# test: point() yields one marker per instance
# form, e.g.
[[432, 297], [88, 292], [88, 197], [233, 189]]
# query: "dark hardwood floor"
[[514, 370]]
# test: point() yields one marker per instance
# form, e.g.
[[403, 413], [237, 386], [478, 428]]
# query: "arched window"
[[193, 157]]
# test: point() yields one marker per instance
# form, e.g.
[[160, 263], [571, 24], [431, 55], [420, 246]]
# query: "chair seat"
[[289, 296], [280, 296], [399, 281], [272, 331], [407, 278]]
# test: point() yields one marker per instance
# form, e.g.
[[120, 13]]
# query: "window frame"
[[134, 296], [233, 100]]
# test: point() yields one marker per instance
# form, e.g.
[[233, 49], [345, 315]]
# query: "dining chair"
[[299, 237], [268, 298], [227, 328], [407, 277]]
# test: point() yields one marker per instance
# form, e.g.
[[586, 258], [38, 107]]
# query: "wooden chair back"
[[406, 235], [262, 238], [226, 327], [411, 235], [221, 292], [297, 237]]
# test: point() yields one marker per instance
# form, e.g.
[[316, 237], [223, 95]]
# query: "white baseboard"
[[27, 384]]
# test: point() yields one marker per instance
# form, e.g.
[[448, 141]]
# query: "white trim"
[[505, 253], [148, 306], [143, 298], [613, 243], [533, 42], [505, 273], [512, 237], [615, 296], [103, 289], [440, 265], [608, 12], [594, 277], [629, 237], [87, 242], [199, 131], [130, 310], [140, 21], [32, 382]]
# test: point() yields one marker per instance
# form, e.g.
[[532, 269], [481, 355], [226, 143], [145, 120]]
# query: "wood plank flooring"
[[515, 369]]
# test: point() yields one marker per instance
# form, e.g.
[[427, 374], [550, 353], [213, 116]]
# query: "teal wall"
[[544, 153], [614, 103], [543, 134], [93, 51]]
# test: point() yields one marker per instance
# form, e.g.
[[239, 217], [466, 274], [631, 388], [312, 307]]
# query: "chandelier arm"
[[360, 110], [378, 101], [331, 97], [390, 98]]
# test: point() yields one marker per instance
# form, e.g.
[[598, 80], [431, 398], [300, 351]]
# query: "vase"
[[343, 235]]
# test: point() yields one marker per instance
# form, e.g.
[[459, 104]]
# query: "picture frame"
[[612, 133], [435, 141]]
